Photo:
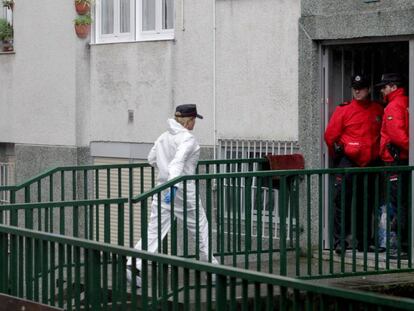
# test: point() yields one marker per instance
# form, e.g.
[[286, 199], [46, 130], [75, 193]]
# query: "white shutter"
[[124, 193]]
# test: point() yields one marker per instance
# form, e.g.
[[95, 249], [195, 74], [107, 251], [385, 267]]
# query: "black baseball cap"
[[388, 78], [189, 110], [359, 81]]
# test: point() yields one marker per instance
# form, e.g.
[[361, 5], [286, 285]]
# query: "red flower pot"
[[82, 31], [82, 8]]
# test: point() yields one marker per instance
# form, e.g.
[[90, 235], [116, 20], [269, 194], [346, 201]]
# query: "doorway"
[[338, 63]]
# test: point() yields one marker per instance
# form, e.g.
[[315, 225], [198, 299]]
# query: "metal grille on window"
[[237, 149]]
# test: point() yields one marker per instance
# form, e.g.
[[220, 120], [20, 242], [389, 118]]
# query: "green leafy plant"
[[83, 20], [87, 2], [6, 30], [8, 4]]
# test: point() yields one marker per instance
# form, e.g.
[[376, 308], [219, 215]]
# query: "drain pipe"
[[214, 83]]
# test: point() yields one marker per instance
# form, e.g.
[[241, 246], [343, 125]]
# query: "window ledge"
[[7, 53], [130, 41]]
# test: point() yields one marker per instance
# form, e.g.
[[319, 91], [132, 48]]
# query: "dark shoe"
[[379, 249]]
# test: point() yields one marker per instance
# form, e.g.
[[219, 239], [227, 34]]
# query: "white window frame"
[[158, 33], [136, 34], [116, 36]]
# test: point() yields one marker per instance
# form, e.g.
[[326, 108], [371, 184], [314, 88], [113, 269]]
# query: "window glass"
[[148, 15], [107, 16], [167, 14], [125, 16]]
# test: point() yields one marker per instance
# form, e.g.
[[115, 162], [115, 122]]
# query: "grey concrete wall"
[[257, 69], [37, 83], [253, 67]]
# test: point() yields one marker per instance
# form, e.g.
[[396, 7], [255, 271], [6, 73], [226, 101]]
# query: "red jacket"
[[395, 125], [356, 125]]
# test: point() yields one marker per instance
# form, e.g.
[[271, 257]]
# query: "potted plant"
[[8, 4], [6, 35], [83, 6], [83, 25]]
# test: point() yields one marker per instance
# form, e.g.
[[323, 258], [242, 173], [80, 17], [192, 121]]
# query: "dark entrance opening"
[[340, 62]]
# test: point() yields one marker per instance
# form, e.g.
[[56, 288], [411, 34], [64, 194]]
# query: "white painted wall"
[[37, 83], [256, 74], [257, 69], [58, 90]]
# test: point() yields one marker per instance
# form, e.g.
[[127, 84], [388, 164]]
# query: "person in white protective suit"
[[176, 153]]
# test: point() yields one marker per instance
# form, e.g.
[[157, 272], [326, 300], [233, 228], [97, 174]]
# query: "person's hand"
[[170, 195]]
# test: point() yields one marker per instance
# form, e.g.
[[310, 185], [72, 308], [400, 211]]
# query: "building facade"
[[66, 100]]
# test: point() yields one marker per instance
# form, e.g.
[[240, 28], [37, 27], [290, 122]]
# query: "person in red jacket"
[[353, 139], [393, 151]]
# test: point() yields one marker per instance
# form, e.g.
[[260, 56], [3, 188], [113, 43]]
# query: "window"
[[6, 26], [134, 20]]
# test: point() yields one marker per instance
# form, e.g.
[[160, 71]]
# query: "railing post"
[[248, 219], [282, 224]]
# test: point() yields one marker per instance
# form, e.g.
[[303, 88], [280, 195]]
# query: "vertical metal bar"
[[29, 268], [37, 258], [271, 210], [308, 225], [221, 299], [39, 210], [61, 261], [130, 206], [365, 221], [185, 220], [77, 264], [121, 224], [62, 185], [320, 218], [74, 185], [376, 216], [97, 205], [144, 239], [44, 272], [107, 223], [21, 266], [234, 232], [248, 219], [259, 220], [197, 217], [282, 225], [342, 237], [51, 197], [355, 179], [52, 252], [69, 289], [209, 210], [331, 213]]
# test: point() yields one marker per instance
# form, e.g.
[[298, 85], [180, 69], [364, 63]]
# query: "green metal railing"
[[271, 221], [84, 182], [76, 274], [104, 181], [282, 221]]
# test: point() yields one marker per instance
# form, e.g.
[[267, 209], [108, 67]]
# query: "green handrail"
[[300, 195], [48, 175], [84, 266]]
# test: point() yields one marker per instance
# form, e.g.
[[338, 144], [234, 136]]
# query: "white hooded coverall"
[[176, 153]]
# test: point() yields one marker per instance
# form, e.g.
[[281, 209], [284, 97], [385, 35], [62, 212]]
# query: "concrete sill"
[[7, 53]]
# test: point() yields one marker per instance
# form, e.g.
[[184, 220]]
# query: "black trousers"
[[398, 198], [346, 202]]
